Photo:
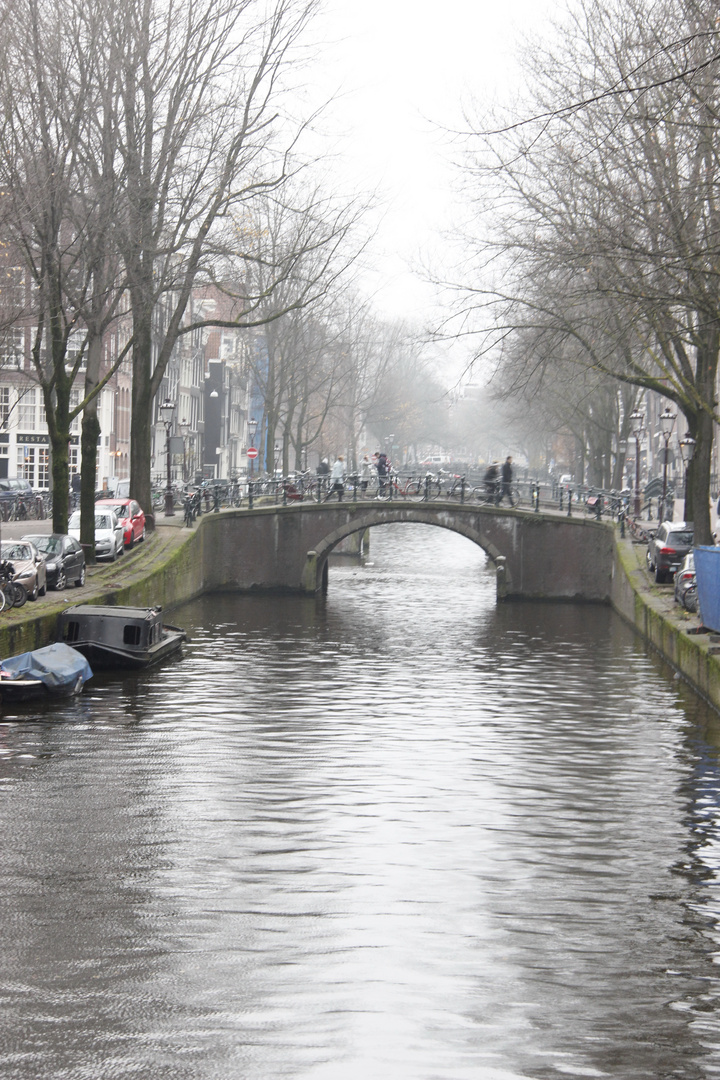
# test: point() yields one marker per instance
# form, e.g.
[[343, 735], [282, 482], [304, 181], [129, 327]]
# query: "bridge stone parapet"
[[540, 556]]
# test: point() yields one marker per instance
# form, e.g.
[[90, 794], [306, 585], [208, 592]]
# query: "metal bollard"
[[251, 492], [569, 509], [561, 498], [536, 497], [621, 516], [216, 500], [598, 507], [462, 489]]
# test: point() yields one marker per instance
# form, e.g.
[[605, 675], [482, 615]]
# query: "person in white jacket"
[[337, 476]]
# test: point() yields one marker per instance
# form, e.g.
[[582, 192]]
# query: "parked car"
[[129, 514], [668, 547], [109, 540], [684, 577], [29, 565], [10, 489], [64, 559]]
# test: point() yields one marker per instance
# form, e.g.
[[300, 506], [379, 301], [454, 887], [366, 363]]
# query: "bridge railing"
[[396, 486]]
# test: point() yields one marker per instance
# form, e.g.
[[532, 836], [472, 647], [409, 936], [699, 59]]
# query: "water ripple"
[[396, 832]]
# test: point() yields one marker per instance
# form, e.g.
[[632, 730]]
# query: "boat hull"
[[17, 690], [111, 657], [119, 637]]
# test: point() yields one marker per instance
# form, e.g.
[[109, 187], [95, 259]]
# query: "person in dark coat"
[[490, 479], [383, 468], [506, 475]]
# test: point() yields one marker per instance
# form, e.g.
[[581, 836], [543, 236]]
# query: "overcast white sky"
[[402, 65]]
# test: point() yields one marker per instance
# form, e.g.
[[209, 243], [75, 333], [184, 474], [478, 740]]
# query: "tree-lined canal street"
[[395, 831]]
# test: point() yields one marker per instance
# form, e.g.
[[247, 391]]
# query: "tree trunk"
[[88, 441], [61, 489], [142, 402], [705, 381]]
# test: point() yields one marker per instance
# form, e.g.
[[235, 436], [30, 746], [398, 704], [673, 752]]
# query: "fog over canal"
[[394, 832]]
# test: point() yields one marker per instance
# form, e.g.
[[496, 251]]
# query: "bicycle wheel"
[[3, 601], [15, 593]]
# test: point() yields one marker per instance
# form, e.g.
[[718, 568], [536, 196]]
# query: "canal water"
[[392, 833]]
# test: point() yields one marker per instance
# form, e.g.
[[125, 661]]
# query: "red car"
[[130, 516]]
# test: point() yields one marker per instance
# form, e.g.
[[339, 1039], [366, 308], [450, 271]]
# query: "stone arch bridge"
[[539, 556]]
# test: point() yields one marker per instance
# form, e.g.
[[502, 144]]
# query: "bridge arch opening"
[[317, 571]]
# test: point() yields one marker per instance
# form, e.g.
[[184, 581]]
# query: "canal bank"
[[667, 627], [165, 570], [169, 569]]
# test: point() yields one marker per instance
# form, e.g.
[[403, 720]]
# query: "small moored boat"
[[119, 637], [54, 671]]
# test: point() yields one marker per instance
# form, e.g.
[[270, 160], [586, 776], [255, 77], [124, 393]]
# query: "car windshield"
[[104, 521], [48, 544], [16, 551], [74, 522], [119, 509]]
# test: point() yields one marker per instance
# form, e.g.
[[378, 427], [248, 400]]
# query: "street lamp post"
[[252, 425], [666, 421], [687, 449], [637, 419], [184, 432], [166, 411]]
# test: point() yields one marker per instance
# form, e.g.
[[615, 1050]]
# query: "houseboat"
[[119, 637]]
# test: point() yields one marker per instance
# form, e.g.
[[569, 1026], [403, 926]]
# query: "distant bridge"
[[538, 555]]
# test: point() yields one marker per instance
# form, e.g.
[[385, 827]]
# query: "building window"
[[43, 472], [74, 402], [12, 348], [4, 406], [26, 463], [27, 410], [75, 342], [12, 291]]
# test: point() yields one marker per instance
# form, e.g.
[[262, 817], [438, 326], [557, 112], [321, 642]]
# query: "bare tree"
[[56, 214], [297, 250], [611, 234], [201, 133]]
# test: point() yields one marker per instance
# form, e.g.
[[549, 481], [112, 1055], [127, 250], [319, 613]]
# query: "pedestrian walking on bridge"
[[506, 475], [337, 477]]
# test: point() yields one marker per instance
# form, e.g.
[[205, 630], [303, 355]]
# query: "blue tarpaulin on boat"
[[55, 666], [707, 571]]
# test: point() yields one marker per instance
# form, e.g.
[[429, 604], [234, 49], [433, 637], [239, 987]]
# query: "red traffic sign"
[[252, 452]]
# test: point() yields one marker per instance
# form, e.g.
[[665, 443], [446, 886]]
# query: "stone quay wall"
[[239, 552]]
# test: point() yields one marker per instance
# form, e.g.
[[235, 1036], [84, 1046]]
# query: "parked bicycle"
[[457, 487], [14, 594]]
